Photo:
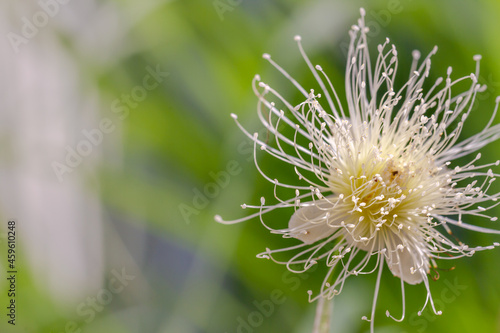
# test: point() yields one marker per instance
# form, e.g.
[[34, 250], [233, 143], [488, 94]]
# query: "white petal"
[[415, 261], [309, 223], [358, 232]]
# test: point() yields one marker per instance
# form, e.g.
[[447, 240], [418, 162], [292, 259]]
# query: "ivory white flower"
[[377, 182]]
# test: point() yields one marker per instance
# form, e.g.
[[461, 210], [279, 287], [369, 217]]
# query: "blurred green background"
[[123, 238]]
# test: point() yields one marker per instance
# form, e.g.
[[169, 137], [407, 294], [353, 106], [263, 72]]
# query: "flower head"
[[377, 182]]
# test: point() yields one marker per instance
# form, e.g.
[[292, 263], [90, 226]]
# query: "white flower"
[[377, 183]]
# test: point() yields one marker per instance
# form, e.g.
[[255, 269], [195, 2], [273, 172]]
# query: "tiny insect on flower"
[[377, 186]]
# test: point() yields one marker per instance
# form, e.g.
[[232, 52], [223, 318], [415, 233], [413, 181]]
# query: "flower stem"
[[324, 311]]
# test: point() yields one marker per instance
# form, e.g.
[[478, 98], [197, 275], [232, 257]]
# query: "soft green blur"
[[193, 274]]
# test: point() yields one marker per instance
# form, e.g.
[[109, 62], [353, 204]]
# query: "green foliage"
[[181, 135]]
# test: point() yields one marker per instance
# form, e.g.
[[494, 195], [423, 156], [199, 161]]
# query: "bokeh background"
[[121, 237]]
